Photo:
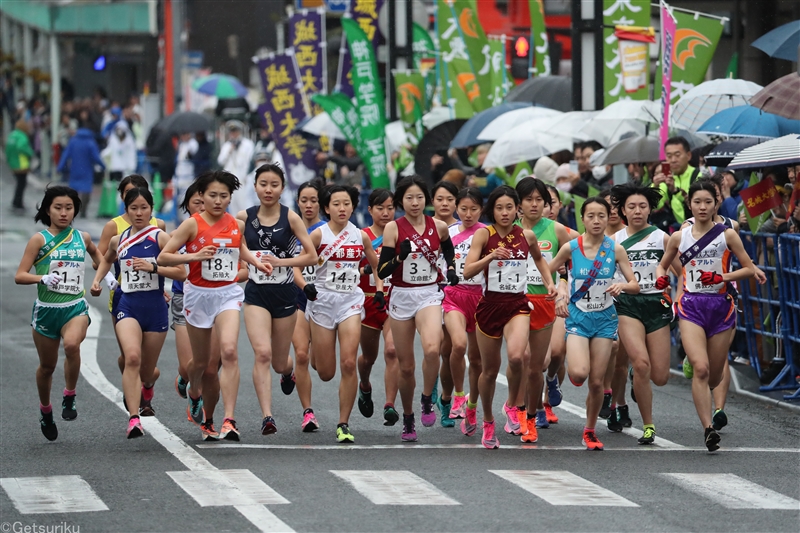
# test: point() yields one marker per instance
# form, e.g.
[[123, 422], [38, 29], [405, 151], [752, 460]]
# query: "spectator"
[[237, 152], [584, 167], [349, 167], [81, 156], [546, 169], [202, 157], [730, 195], [246, 195], [674, 186], [185, 171], [456, 177], [121, 152], [18, 155]]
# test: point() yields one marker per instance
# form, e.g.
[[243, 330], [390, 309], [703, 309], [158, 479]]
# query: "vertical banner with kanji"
[[365, 13], [370, 103], [667, 44], [540, 46], [282, 110], [343, 113], [410, 87], [306, 33], [462, 25], [425, 60], [457, 77], [620, 13], [501, 79]]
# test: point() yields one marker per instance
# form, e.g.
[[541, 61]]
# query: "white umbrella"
[[569, 124], [707, 99], [395, 135], [777, 152], [437, 116], [523, 143], [515, 117], [621, 118], [322, 124]]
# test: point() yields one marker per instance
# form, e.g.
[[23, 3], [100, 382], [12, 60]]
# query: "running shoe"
[[49, 429], [208, 431], [623, 416], [541, 420], [195, 410], [605, 410], [229, 431], [522, 416], [343, 434], [633, 391], [554, 391], [268, 426], [287, 383], [309, 421], [146, 408], [532, 434], [648, 435], [390, 415], [135, 428], [591, 441], [469, 424], [446, 420], [512, 420], [69, 410], [551, 417], [428, 416], [435, 393], [459, 405], [614, 423], [409, 429], [719, 421], [688, 369], [180, 386], [489, 440], [712, 439], [365, 404]]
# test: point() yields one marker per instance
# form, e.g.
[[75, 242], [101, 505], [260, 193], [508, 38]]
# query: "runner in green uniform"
[[58, 255]]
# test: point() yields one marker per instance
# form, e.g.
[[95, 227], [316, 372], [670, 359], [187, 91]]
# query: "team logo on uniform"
[[545, 246], [120, 316]]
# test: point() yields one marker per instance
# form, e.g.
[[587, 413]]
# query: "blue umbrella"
[[782, 42], [748, 121], [468, 134], [220, 85]]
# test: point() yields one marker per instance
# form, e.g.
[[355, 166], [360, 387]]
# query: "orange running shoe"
[[591, 441], [532, 434], [551, 416], [522, 415]]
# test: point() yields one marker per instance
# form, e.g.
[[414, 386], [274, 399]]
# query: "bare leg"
[[300, 341]]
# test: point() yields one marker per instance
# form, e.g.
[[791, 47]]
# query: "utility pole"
[[399, 47]]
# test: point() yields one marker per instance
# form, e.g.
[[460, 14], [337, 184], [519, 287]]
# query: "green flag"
[[500, 76], [410, 87], [620, 13], [540, 46], [344, 115], [425, 61], [522, 170], [370, 103], [461, 90], [695, 43], [578, 202], [733, 67]]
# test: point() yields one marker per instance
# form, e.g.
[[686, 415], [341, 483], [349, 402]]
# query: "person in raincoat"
[[120, 152], [18, 155], [80, 156]]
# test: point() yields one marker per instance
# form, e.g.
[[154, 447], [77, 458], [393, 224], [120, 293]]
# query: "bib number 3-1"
[[417, 270]]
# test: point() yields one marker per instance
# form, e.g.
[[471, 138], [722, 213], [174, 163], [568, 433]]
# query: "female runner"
[[273, 234], [411, 246], [142, 316], [706, 310], [374, 322], [501, 251], [308, 203], [214, 243], [336, 300], [60, 313], [591, 319]]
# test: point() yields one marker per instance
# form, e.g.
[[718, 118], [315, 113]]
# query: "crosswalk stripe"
[[560, 487], [211, 488], [733, 492], [394, 487], [52, 494]]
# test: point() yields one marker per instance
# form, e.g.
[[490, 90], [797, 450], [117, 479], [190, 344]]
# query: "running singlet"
[[278, 240], [416, 270], [338, 271], [462, 242], [62, 255], [122, 225], [310, 272], [727, 222], [506, 275], [596, 298], [644, 256], [545, 231], [222, 268], [716, 257], [367, 282], [140, 245]]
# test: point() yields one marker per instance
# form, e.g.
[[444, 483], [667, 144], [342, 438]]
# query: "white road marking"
[[52, 494], [211, 488], [394, 487], [261, 517], [733, 492], [560, 487]]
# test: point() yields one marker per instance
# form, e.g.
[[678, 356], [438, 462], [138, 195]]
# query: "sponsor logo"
[[686, 43]]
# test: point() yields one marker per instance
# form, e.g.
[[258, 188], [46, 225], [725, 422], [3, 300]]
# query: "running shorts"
[[654, 311], [331, 308], [408, 301], [113, 301], [371, 317], [463, 300], [597, 324], [714, 313], [48, 319], [150, 312], [543, 313], [176, 306], [201, 305], [279, 300], [493, 315]]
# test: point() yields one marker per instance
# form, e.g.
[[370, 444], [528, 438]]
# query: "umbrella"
[[707, 99], [220, 85], [748, 121], [782, 42], [554, 92], [777, 152], [468, 134], [437, 116], [435, 140], [638, 149], [322, 124], [503, 123], [186, 122], [569, 124], [621, 118], [723, 153], [780, 97], [524, 143]]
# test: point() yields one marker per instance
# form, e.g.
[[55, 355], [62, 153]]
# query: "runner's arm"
[[388, 261], [247, 256], [747, 269], [23, 275], [177, 273], [187, 231], [670, 255], [109, 230], [308, 254], [105, 265], [161, 224], [372, 259], [561, 257], [541, 264], [474, 264], [631, 286]]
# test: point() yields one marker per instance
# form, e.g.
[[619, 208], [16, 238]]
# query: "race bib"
[[386, 283], [534, 276], [70, 276], [695, 268], [507, 275], [596, 298], [417, 270], [222, 266], [310, 274], [460, 261], [342, 276], [137, 280], [279, 274], [645, 273]]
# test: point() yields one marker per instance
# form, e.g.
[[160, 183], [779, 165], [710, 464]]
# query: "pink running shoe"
[[489, 439], [470, 422], [428, 415], [512, 420], [309, 422], [135, 428], [459, 406]]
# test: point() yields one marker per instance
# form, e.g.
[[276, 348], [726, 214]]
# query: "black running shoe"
[[613, 422], [720, 420], [605, 410], [49, 429], [623, 416], [287, 383], [712, 439], [68, 408], [390, 415], [365, 404], [268, 426]]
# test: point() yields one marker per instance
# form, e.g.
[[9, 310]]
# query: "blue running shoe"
[[435, 394], [554, 391], [195, 410], [447, 422], [541, 420]]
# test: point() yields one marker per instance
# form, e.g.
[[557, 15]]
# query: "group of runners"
[[584, 306]]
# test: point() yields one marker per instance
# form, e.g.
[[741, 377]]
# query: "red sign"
[[761, 197], [795, 199]]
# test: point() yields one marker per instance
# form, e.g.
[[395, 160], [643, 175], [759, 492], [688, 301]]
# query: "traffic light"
[[519, 57]]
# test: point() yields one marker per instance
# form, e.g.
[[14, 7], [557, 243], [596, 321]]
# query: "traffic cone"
[[158, 192], [108, 200]]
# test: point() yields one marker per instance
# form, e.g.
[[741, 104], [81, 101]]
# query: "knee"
[[263, 356], [407, 371], [515, 361], [596, 386], [301, 357], [210, 373], [577, 377], [713, 381], [348, 366], [641, 367], [72, 348], [430, 350], [133, 360], [459, 348], [229, 354], [390, 354], [701, 372], [46, 369]]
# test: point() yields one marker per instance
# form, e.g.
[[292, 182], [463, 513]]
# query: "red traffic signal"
[[521, 47]]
